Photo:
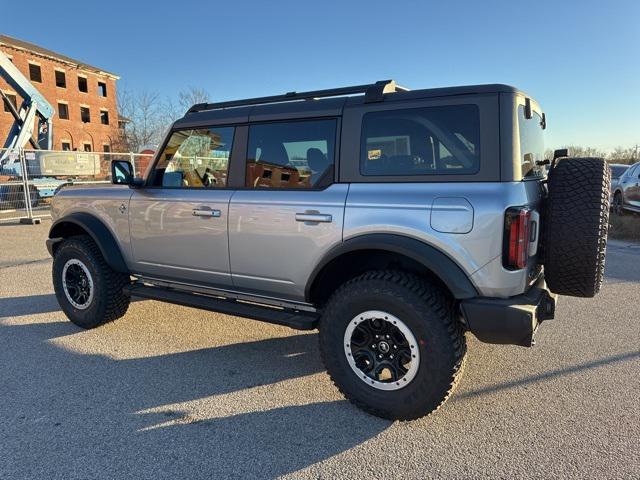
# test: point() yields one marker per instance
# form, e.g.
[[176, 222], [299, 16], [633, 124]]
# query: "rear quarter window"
[[531, 144], [421, 141]]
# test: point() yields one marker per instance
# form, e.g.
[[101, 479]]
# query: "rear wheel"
[[89, 292], [392, 345]]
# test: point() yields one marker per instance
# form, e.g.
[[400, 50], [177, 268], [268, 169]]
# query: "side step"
[[291, 318]]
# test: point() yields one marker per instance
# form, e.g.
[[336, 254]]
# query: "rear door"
[[178, 222], [290, 212]]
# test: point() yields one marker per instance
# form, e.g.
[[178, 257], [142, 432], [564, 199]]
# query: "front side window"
[[421, 141], [195, 158], [291, 154], [531, 144]]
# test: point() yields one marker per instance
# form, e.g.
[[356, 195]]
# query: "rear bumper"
[[510, 321]]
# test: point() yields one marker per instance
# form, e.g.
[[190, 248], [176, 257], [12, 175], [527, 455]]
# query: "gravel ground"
[[171, 392]]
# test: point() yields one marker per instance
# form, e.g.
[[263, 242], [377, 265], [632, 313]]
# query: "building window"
[[85, 115], [102, 89], [61, 79], [66, 146], [35, 74], [104, 117], [82, 84], [12, 99], [86, 147], [63, 111], [106, 148]]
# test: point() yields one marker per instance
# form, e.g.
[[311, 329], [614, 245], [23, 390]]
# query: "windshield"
[[531, 144], [618, 170]]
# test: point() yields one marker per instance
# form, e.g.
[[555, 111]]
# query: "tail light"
[[517, 224]]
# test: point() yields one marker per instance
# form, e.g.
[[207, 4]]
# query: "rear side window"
[[291, 154], [421, 141]]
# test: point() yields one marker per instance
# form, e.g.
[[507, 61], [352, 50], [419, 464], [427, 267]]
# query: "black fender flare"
[[97, 230], [430, 257]]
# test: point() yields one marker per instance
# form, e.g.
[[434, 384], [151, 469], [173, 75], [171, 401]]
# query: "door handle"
[[205, 212], [314, 217]]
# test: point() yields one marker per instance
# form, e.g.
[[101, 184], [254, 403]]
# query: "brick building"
[[83, 97]]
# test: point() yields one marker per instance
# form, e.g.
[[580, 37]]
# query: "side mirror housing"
[[122, 174]]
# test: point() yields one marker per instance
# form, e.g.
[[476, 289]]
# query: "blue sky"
[[579, 59]]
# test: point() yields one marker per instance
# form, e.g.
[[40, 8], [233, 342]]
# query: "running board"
[[290, 318]]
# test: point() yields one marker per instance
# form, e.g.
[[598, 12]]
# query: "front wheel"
[[89, 292], [618, 209], [392, 345]]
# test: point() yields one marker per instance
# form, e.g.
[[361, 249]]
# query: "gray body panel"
[[273, 252], [168, 240], [407, 209], [103, 202]]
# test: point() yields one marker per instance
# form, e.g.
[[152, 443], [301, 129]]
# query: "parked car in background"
[[617, 170], [626, 195]]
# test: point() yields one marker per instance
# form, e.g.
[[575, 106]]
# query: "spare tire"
[[576, 221]]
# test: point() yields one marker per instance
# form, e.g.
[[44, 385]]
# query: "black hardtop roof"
[[330, 99]]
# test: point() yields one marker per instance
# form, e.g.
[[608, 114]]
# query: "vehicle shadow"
[[33, 305], [29, 305], [94, 410], [601, 362]]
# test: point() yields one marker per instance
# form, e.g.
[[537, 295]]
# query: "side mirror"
[[121, 172]]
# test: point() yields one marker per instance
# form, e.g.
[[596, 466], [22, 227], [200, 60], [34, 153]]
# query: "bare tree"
[[192, 95], [145, 115], [623, 155], [144, 118], [618, 155]]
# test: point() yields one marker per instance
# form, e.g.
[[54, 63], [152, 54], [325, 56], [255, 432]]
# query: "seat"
[[318, 164]]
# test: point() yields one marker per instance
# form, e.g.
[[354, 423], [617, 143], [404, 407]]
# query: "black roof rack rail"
[[373, 92]]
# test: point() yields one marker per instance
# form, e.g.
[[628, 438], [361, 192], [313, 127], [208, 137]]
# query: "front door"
[[290, 212], [178, 222]]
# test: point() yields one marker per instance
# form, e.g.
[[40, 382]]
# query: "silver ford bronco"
[[393, 221]]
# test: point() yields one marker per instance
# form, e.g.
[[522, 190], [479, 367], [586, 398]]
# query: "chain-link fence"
[[29, 179]]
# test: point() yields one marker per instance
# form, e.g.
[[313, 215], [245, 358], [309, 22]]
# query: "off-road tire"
[[430, 315], [576, 223], [109, 302]]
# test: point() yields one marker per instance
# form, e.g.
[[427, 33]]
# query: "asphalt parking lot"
[[171, 392]]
